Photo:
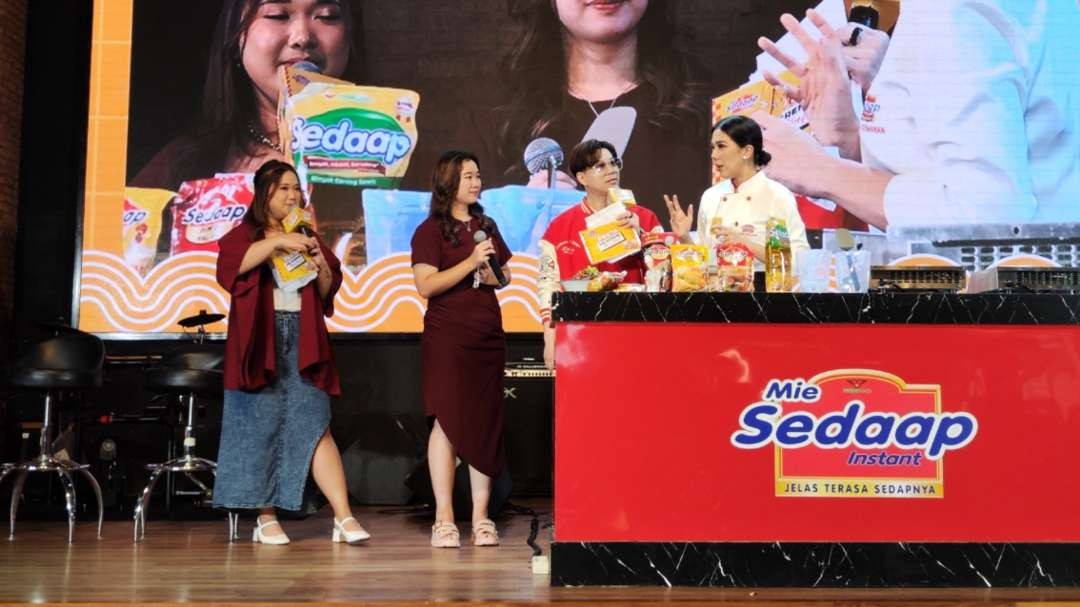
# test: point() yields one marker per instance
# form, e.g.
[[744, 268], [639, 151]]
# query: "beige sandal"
[[445, 534], [484, 533]]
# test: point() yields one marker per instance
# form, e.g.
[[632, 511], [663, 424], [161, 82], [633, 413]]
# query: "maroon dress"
[[463, 350]]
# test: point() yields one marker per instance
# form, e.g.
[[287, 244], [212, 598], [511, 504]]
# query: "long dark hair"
[[744, 131], [537, 95], [445, 180], [228, 104], [267, 177]]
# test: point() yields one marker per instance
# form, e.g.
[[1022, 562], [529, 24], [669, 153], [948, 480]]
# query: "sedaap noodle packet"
[[336, 132], [142, 225]]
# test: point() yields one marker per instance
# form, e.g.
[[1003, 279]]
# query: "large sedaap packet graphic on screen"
[[339, 133]]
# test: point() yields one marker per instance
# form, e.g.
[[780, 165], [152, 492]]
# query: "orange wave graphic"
[[381, 297]]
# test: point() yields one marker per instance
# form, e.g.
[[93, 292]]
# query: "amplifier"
[[1026, 280], [942, 279], [528, 393]]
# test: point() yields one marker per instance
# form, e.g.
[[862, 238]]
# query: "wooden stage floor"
[[189, 561]]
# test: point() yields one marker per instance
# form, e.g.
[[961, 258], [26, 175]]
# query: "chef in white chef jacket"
[[738, 208]]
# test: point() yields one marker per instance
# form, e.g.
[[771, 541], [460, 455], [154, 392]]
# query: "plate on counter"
[[575, 285]]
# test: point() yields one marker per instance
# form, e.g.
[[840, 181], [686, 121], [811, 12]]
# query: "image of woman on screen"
[[279, 368], [252, 43], [578, 58], [462, 348]]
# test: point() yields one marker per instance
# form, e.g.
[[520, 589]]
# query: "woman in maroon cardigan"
[[279, 369]]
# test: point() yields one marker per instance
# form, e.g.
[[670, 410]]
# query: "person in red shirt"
[[597, 169], [279, 369]]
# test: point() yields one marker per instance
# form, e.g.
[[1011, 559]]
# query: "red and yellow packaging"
[[735, 267], [656, 250], [142, 225], [746, 99], [206, 209]]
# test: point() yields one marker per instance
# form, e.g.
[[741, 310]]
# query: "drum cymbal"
[[202, 318], [58, 326]]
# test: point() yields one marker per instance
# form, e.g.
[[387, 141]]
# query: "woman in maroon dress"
[[463, 349]]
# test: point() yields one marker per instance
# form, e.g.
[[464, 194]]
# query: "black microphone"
[[480, 236]]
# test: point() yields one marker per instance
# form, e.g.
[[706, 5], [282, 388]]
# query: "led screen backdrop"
[[963, 151]]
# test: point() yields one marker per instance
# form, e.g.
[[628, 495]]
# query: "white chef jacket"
[[976, 109], [748, 208]]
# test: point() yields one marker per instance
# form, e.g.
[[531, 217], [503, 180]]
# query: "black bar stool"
[[189, 372], [70, 360]]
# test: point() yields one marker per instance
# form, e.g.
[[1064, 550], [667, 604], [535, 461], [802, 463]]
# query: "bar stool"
[[188, 372], [70, 360]]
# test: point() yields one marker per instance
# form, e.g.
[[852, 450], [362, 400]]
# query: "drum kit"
[[186, 373], [199, 322]]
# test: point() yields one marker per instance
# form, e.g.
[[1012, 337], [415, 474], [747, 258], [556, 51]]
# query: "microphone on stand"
[[496, 270], [542, 153]]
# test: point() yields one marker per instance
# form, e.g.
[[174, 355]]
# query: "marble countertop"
[[861, 308]]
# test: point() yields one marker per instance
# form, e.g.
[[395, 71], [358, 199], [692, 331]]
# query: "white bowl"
[[575, 285]]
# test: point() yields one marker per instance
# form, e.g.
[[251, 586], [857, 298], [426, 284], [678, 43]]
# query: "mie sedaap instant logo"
[[855, 433]]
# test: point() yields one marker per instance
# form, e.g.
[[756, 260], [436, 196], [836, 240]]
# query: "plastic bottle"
[[779, 274]]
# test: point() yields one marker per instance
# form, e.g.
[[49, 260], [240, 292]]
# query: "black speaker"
[[528, 393]]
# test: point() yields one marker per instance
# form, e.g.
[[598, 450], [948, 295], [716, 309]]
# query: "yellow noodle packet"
[[610, 242], [689, 267]]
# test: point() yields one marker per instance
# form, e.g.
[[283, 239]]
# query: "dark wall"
[[12, 70], [53, 160]]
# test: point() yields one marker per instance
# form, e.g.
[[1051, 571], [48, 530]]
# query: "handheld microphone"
[[496, 270], [543, 153]]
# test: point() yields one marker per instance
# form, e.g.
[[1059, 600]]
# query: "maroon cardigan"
[[249, 349]]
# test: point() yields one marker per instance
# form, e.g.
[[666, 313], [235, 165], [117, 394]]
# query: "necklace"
[[263, 139], [612, 104]]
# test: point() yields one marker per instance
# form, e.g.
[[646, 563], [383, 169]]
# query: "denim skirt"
[[268, 436]]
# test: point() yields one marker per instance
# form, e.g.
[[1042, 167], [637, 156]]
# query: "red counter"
[[814, 432]]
